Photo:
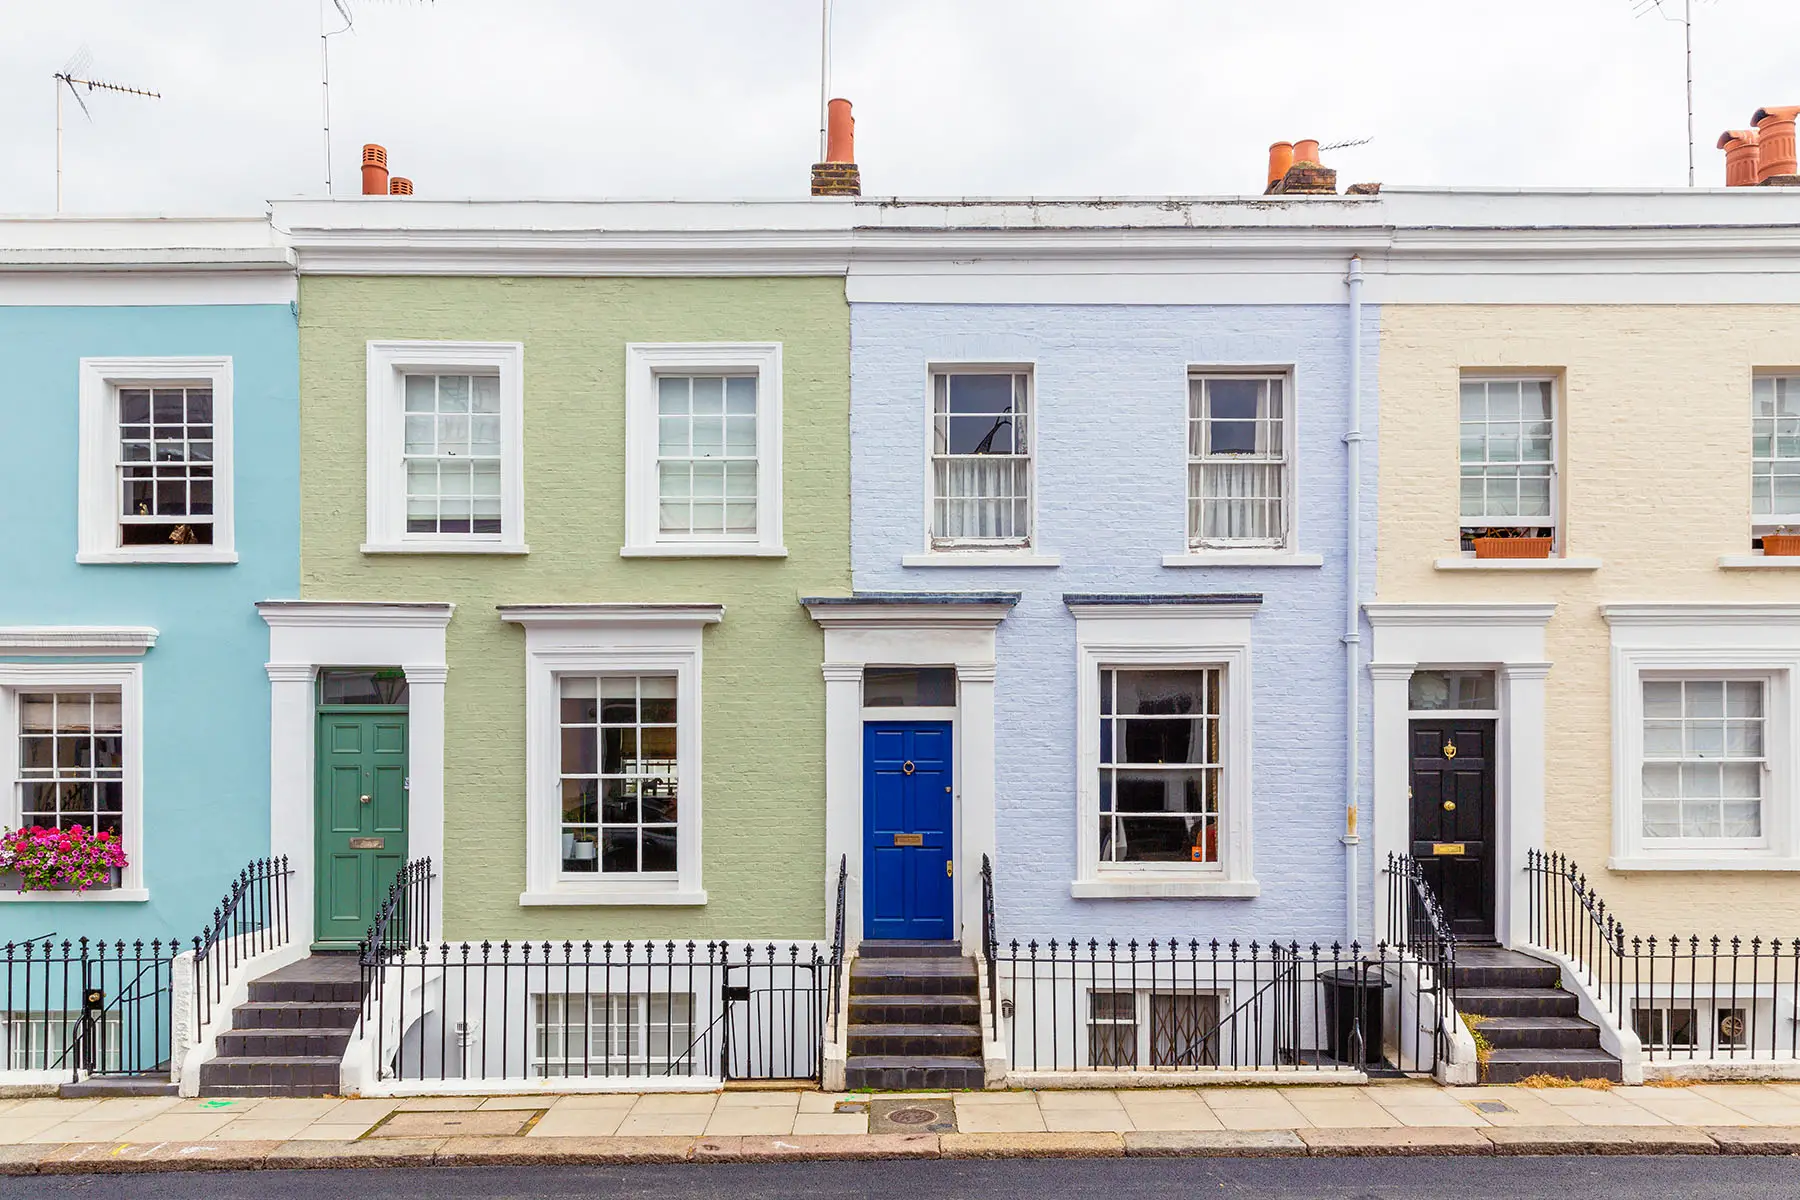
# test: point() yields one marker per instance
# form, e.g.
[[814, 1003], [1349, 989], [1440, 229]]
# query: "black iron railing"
[[252, 919], [990, 943], [402, 923], [88, 1007], [837, 944], [1689, 998]]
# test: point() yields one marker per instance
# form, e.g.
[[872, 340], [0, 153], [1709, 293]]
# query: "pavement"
[[1399, 1118]]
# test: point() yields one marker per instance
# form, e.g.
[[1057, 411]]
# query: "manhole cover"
[[1492, 1106], [912, 1116], [936, 1115]]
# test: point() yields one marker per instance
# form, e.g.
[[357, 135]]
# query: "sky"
[[719, 98]]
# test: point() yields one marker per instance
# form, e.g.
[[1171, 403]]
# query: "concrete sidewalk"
[[67, 1136]]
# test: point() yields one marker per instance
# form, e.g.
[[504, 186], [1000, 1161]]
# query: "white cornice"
[[1700, 614], [612, 614], [922, 613], [72, 640], [1459, 614], [351, 614], [1140, 612]]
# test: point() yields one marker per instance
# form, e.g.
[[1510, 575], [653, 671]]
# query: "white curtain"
[[982, 496]]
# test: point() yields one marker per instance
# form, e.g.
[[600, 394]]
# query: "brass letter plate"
[[368, 843], [1442, 849], [909, 839]]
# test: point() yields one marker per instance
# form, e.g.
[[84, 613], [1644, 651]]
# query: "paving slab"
[[1580, 1139], [182, 1127], [755, 1120], [840, 1124], [1765, 1139], [1031, 1145], [326, 1131], [1227, 1143], [578, 1122], [1402, 1141], [393, 1152], [863, 1147], [439, 1104], [84, 1131], [493, 1103], [999, 1118], [458, 1123]]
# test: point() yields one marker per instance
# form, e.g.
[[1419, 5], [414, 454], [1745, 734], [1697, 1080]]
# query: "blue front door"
[[907, 885]]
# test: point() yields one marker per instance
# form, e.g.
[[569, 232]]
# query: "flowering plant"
[[52, 858]]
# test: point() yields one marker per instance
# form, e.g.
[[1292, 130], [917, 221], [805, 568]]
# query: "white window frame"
[[1171, 636], [97, 522], [128, 678], [388, 364], [1196, 544], [623, 1064], [1554, 522], [1769, 522], [644, 362], [590, 639]]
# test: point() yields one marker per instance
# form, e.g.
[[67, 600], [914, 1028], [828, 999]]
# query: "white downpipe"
[[1352, 601]]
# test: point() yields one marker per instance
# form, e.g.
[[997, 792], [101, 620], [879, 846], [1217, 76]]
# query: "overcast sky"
[[719, 98]]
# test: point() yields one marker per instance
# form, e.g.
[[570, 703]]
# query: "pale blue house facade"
[[150, 413]]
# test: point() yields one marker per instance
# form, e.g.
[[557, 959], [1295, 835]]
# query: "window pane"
[[362, 685], [620, 773], [908, 687], [71, 759], [981, 469], [1703, 750], [1237, 473]]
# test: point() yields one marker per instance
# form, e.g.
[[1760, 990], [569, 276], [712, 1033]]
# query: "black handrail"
[[252, 919], [990, 943], [837, 945]]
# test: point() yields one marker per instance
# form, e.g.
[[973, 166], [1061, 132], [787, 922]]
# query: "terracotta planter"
[[1518, 547], [1781, 545]]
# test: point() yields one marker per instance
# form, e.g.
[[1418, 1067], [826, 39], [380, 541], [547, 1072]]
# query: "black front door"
[[1453, 819]]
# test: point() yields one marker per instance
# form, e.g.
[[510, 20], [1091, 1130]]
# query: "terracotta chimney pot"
[[1281, 157], [840, 133], [1740, 150], [1775, 141], [1306, 150], [399, 185], [375, 170]]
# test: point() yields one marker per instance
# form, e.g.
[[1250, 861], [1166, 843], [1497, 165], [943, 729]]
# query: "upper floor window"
[[155, 460], [1238, 462], [1775, 453], [446, 460], [1508, 457], [703, 450], [981, 468]]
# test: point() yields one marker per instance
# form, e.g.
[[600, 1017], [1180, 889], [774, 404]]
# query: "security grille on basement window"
[[980, 459], [1508, 458], [629, 1033], [72, 760], [1183, 1029], [1775, 454], [706, 455], [1703, 759], [1237, 462], [620, 777], [165, 466], [1160, 762], [452, 454]]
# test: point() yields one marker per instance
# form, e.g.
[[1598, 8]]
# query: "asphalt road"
[[1661, 1178]]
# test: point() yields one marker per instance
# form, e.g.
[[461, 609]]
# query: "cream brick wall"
[[1655, 473]]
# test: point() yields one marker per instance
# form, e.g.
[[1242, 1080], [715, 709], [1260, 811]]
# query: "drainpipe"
[[1352, 595]]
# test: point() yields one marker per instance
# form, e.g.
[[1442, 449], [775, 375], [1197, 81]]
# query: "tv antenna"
[[1346, 144], [73, 73], [325, 36], [1644, 7]]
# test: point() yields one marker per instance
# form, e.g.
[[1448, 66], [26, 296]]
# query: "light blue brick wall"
[[206, 695], [1111, 398]]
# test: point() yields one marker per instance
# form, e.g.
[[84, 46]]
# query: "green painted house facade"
[[559, 514]]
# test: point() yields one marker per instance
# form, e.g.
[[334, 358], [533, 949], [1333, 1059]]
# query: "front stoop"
[[915, 1018], [289, 1039], [1533, 1025]]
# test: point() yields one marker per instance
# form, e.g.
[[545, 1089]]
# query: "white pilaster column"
[[425, 777], [292, 815], [976, 787], [1520, 787], [843, 795], [1391, 820]]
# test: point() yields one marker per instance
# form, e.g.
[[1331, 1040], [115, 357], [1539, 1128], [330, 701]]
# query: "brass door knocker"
[[907, 768], [1449, 749]]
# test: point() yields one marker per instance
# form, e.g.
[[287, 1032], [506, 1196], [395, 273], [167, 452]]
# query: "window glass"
[[165, 466], [706, 455], [1159, 765], [620, 776], [628, 1033], [1508, 453], [909, 687], [981, 459], [1703, 758], [362, 685], [1432, 691], [1775, 450], [452, 454], [1237, 462], [72, 760]]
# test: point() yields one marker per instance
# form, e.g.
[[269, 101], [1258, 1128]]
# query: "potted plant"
[[1509, 541], [37, 859], [1781, 543]]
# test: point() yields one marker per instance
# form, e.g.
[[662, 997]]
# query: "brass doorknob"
[[1449, 805], [363, 799]]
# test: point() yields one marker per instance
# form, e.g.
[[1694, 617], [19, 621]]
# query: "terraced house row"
[[903, 642]]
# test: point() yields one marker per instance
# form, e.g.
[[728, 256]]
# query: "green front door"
[[361, 781]]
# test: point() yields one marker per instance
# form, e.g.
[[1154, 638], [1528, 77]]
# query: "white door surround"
[[305, 635], [899, 629], [1509, 640]]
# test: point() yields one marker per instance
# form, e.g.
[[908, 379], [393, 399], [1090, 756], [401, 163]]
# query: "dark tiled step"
[[1521, 1033], [119, 1085], [909, 949], [305, 991], [1485, 968], [929, 1009], [283, 1076], [296, 1042], [923, 1041], [1517, 1002], [284, 1014], [889, 1073], [1510, 1066], [913, 977]]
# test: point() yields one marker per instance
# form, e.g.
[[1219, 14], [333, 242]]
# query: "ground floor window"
[[1160, 765], [614, 1034], [1131, 1029], [620, 774]]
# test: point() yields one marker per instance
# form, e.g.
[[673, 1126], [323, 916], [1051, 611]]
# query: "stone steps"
[[1532, 1025], [289, 1039], [914, 1018]]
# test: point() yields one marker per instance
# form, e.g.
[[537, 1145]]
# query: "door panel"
[[908, 887], [1453, 819], [361, 845]]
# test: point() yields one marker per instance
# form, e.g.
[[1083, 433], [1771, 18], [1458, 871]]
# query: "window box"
[[1505, 546], [1781, 545]]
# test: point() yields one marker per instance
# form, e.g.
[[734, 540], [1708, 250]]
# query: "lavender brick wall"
[[1111, 402]]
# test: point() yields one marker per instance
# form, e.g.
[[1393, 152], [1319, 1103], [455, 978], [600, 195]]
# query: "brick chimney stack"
[[837, 175], [1295, 170]]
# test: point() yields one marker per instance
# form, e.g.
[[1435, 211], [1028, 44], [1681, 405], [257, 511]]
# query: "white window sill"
[[1758, 561], [981, 558], [1704, 862], [703, 550], [160, 554], [92, 896], [1165, 889], [445, 547], [583, 897], [1243, 558], [1468, 562]]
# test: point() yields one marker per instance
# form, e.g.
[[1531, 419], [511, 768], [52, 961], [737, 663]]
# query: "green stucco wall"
[[762, 716]]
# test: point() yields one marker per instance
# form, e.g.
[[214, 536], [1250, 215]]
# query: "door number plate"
[[909, 839], [368, 843]]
